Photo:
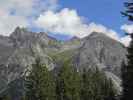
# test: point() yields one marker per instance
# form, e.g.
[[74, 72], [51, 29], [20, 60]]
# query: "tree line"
[[67, 84], [127, 68]]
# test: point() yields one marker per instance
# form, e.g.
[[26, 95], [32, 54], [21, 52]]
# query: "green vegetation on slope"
[[69, 84]]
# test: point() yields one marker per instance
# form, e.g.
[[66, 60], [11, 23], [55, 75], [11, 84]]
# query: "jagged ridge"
[[22, 47]]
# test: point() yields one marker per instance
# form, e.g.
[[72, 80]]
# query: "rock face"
[[102, 51], [20, 49]]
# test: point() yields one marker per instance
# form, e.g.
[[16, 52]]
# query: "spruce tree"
[[129, 10], [40, 84], [127, 69], [127, 74], [68, 83], [96, 86], [109, 92], [86, 91], [5, 97]]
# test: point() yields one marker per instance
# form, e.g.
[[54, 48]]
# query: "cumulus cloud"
[[28, 7], [102, 29], [68, 22], [126, 40], [46, 5], [15, 13], [18, 6], [127, 28], [8, 23]]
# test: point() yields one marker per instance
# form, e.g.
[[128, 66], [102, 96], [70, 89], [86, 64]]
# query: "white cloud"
[[28, 7], [126, 40], [102, 29], [68, 22], [127, 28], [47, 5], [15, 13], [9, 23], [19, 6]]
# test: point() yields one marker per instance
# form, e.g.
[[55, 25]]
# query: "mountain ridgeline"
[[19, 51]]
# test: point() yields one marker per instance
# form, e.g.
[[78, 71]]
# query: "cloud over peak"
[[68, 22], [15, 13]]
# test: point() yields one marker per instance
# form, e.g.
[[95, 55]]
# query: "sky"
[[105, 12], [64, 19]]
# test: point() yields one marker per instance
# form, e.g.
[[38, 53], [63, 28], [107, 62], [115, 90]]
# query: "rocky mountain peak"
[[96, 35], [21, 48], [102, 51], [19, 32]]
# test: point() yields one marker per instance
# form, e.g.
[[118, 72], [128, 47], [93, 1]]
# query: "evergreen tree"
[[127, 74], [127, 69], [5, 97], [109, 92], [68, 83], [95, 86], [129, 10], [86, 91], [40, 84]]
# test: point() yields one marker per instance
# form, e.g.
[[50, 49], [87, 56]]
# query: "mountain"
[[19, 50], [103, 52]]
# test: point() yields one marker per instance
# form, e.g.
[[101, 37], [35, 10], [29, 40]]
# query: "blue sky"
[[66, 18], [105, 12]]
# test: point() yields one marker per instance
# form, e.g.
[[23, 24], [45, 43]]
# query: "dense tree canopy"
[[67, 84], [40, 84], [96, 86]]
